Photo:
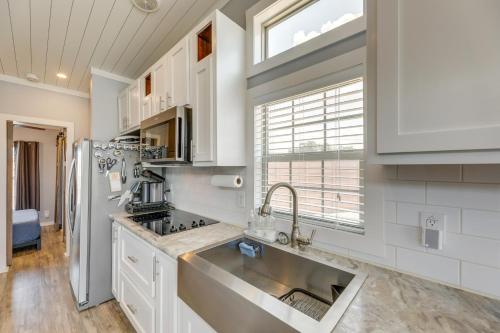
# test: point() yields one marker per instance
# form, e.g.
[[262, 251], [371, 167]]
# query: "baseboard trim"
[[46, 223], [4, 269]]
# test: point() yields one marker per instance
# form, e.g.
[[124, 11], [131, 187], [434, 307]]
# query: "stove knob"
[[202, 223], [182, 227], [173, 229], [194, 224]]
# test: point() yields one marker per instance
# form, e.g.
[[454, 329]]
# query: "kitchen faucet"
[[297, 239]]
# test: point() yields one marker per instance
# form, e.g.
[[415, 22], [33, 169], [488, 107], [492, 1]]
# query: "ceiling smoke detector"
[[147, 6], [32, 77]]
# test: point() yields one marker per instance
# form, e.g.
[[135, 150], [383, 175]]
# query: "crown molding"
[[100, 72], [44, 86]]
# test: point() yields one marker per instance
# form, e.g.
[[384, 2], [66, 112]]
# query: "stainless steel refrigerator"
[[88, 209]]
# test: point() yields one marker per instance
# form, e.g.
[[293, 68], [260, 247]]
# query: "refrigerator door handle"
[[71, 197]]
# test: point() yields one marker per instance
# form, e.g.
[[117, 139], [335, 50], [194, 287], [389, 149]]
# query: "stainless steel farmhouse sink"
[[274, 291]]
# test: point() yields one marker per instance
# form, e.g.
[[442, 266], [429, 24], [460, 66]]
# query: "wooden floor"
[[35, 295]]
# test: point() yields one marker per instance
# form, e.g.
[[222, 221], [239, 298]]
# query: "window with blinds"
[[315, 142]]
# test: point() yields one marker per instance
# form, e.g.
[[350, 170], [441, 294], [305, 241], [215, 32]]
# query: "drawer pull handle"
[[133, 259], [132, 308]]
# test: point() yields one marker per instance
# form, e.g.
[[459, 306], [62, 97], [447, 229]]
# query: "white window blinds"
[[315, 142]]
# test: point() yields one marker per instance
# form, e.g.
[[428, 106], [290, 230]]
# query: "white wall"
[[47, 158], [104, 107], [33, 102]]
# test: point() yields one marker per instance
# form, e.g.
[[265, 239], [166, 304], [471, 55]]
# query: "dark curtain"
[[27, 183], [60, 180]]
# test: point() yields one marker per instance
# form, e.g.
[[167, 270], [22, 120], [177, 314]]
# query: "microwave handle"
[[180, 137]]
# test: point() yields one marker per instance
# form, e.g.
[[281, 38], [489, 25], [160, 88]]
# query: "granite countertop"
[[388, 301], [183, 242]]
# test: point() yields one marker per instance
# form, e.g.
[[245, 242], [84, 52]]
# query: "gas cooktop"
[[171, 221]]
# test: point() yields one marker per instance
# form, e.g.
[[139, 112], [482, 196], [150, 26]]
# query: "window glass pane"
[[311, 21], [314, 142]]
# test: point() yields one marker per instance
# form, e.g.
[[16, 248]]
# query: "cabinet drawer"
[[137, 261], [136, 306]]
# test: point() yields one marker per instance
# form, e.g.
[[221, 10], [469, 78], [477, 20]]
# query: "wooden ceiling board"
[[40, 22], [101, 13], [7, 54], [149, 27], [59, 19], [21, 31]]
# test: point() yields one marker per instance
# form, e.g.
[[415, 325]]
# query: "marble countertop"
[[388, 301]]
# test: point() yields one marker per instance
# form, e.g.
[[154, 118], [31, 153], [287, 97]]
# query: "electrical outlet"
[[433, 221], [46, 213], [433, 228]]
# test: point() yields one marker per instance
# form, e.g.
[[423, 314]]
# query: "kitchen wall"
[[104, 107], [34, 102], [47, 150], [469, 195]]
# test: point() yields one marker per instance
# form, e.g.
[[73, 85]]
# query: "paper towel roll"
[[232, 181]]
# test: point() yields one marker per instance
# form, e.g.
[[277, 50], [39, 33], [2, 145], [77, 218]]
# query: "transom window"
[[305, 20], [314, 141]]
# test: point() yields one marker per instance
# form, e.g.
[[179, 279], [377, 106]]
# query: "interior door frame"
[[9, 189], [5, 223]]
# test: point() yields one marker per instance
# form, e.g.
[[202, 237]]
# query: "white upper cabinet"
[[123, 111], [134, 104], [217, 47], [178, 74], [147, 93], [437, 81], [160, 86]]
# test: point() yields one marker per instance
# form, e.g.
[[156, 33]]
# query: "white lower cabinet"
[[190, 321], [138, 307], [115, 247], [144, 283]]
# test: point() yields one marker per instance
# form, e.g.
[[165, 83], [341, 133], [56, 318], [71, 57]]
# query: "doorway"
[[48, 212], [37, 156]]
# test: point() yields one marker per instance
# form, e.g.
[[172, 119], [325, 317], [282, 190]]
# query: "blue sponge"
[[247, 250]]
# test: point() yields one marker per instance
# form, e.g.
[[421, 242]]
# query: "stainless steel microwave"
[[166, 137]]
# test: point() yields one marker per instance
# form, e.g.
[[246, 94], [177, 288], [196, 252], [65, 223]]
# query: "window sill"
[[347, 30]]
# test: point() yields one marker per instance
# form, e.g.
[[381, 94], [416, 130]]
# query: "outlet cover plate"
[[433, 221]]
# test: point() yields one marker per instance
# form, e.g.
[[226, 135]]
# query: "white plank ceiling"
[[46, 37]]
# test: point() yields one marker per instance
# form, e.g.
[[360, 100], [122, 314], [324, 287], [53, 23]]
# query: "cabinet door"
[[146, 107], [134, 104], [166, 293], [123, 111], [203, 111], [437, 78], [115, 266], [160, 80], [190, 321], [178, 68]]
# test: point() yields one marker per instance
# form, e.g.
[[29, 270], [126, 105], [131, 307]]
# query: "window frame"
[[336, 70], [269, 11]]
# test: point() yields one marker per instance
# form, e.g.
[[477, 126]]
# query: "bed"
[[26, 228]]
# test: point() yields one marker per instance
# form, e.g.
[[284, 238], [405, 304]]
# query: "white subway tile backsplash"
[[405, 191], [403, 236], [388, 260], [481, 223], [428, 265], [481, 278], [475, 196], [409, 214], [470, 248], [442, 173], [390, 211], [481, 173]]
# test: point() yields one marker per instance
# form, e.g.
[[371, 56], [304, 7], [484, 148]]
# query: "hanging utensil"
[[102, 165], [123, 171]]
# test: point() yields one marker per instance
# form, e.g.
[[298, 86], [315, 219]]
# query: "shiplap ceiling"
[[46, 37]]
